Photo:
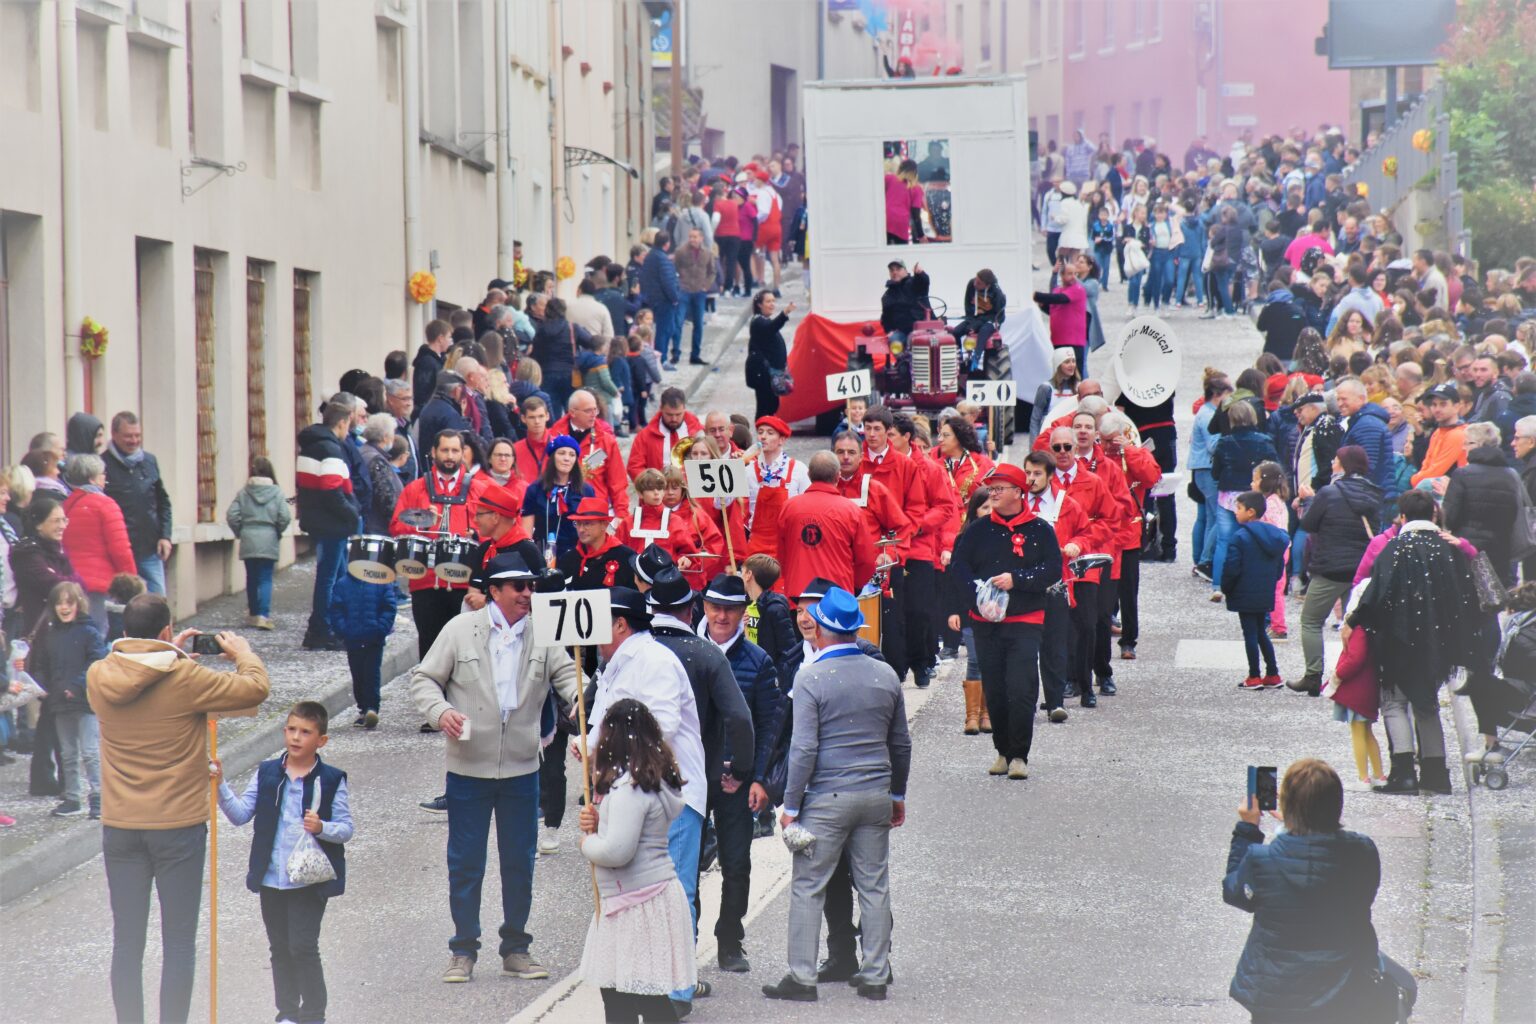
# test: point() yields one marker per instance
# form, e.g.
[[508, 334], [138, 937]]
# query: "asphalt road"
[[1091, 892]]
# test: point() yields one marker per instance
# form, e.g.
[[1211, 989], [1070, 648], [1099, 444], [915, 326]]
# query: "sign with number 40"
[[991, 392], [572, 618], [717, 478], [843, 386]]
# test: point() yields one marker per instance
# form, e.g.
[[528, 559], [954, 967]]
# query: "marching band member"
[[649, 520], [1074, 535], [598, 560], [958, 453], [704, 446], [921, 624], [1085, 436], [498, 524], [825, 534], [581, 422], [1121, 442], [900, 476], [1089, 491], [653, 445], [710, 539], [775, 479], [884, 517], [550, 500], [529, 453], [718, 428]]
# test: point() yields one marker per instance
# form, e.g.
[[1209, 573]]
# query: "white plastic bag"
[[21, 689], [991, 601], [308, 864]]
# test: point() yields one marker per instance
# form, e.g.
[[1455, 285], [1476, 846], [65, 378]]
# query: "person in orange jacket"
[[1447, 450]]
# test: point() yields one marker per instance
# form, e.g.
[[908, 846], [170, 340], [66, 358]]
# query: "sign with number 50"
[[572, 618], [991, 392], [716, 478]]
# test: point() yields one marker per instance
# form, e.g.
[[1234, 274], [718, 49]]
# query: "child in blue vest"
[[1255, 561], [289, 795], [362, 614]]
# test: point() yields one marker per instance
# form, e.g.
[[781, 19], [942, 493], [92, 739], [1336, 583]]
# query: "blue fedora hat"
[[838, 612]]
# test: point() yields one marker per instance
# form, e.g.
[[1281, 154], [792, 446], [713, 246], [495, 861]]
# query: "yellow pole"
[[586, 767], [725, 520], [213, 878]]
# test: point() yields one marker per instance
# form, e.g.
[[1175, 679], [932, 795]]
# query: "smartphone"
[[206, 643], [1263, 785]]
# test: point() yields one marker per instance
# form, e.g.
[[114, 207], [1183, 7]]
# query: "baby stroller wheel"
[[1495, 778]]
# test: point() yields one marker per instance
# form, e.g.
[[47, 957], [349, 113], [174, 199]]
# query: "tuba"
[[681, 449]]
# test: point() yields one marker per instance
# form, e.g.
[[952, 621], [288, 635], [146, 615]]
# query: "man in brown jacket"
[[697, 269], [153, 701]]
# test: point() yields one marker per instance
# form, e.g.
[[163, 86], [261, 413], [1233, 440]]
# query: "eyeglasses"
[[518, 586], [485, 512], [1062, 447]]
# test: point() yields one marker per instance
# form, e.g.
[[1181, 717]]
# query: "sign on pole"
[[572, 618], [991, 392], [717, 478], [843, 386]]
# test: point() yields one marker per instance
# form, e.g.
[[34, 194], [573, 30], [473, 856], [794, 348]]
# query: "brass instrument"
[[681, 449]]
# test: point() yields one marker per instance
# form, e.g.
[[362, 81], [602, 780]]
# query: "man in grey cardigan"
[[848, 764], [483, 684]]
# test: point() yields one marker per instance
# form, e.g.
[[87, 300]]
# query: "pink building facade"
[[1176, 70]]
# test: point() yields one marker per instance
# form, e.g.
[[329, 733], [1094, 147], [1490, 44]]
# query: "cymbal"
[[887, 542], [418, 517]]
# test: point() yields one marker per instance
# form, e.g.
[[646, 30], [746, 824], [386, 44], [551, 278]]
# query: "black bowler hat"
[[669, 589], [726, 589], [509, 565], [650, 562], [629, 603], [815, 590]]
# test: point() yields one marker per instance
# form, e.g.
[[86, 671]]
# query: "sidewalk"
[[39, 848]]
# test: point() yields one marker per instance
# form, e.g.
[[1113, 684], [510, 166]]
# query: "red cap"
[[1003, 473], [591, 510], [760, 174], [776, 424], [1274, 387], [501, 501]]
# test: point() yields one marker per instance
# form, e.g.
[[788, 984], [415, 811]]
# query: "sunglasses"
[[1062, 447], [518, 586]]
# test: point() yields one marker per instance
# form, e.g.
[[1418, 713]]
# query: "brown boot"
[[986, 720], [972, 706]]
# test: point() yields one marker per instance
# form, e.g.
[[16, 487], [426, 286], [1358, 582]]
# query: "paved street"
[[1091, 892]]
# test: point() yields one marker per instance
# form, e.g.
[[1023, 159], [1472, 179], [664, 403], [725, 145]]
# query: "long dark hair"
[[965, 433], [632, 743], [547, 477], [976, 501]]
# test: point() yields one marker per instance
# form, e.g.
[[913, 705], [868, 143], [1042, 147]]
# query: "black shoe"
[[1107, 688], [836, 968], [734, 962], [1401, 779], [696, 361], [762, 829], [67, 809], [94, 803], [792, 990], [875, 992], [1433, 776], [681, 1009], [1203, 571], [1088, 700], [323, 642], [438, 804], [1071, 691], [922, 678]]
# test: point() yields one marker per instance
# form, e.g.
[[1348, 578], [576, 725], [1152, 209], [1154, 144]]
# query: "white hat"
[[1067, 188], [1061, 355]]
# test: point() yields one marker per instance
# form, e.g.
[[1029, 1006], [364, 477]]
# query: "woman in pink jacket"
[[96, 538]]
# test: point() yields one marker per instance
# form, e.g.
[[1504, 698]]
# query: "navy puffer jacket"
[[1368, 429], [1235, 456], [1311, 952]]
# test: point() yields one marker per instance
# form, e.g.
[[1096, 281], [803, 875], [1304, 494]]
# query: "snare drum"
[[454, 555], [370, 558], [415, 556]]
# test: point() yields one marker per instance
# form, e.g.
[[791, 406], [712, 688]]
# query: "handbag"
[[1220, 259], [1491, 595], [308, 864], [1522, 531], [783, 382]]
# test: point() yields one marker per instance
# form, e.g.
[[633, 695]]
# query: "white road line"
[[569, 1000]]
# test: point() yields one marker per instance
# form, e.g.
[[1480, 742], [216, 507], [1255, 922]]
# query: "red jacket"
[[1103, 513], [1127, 517], [1072, 527], [964, 477], [900, 476], [608, 480], [96, 540], [739, 513], [652, 447], [823, 534], [1142, 473], [528, 457], [940, 510], [1043, 439], [882, 512], [460, 517], [688, 533], [1358, 689]]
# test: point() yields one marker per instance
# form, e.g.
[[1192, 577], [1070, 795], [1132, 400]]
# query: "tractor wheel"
[[998, 365]]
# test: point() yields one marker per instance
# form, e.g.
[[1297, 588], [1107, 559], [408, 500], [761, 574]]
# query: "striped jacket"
[[327, 507]]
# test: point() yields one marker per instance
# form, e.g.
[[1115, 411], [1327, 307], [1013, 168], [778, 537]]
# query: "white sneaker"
[[549, 842]]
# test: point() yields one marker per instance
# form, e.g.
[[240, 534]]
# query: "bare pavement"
[[1089, 893]]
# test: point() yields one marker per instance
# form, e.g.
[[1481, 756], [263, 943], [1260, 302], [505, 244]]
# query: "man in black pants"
[[1016, 551]]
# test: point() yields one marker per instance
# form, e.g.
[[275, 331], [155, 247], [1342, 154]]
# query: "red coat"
[[964, 476], [900, 476], [824, 535], [739, 513], [1358, 689], [1072, 527], [1142, 473], [529, 458], [460, 518], [96, 540], [688, 533], [939, 511], [608, 480], [652, 447], [1127, 517], [882, 512], [1103, 512]]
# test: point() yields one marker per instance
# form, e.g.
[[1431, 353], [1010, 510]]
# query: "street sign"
[[991, 392], [843, 386], [717, 478], [572, 618]]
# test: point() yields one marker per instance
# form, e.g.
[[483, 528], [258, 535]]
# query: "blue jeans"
[[1189, 270], [1134, 294], [1224, 289], [693, 309], [365, 660], [1159, 277], [1103, 253], [1256, 641], [1226, 525], [1204, 537], [683, 842], [258, 585], [330, 563], [152, 572], [668, 328], [471, 802]]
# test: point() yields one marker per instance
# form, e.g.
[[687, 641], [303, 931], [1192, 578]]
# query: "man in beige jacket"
[[484, 684], [153, 701]]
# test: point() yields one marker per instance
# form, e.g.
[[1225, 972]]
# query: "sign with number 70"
[[572, 618]]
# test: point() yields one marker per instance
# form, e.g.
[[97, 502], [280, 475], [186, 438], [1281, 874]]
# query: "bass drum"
[[998, 365]]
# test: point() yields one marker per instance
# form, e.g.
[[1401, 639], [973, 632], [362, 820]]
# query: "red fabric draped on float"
[[821, 346]]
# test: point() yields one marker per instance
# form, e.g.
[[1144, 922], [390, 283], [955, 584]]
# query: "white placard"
[[717, 478], [572, 618], [843, 386], [1147, 361], [991, 392]]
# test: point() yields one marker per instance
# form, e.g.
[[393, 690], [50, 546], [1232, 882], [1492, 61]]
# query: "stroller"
[[1517, 667]]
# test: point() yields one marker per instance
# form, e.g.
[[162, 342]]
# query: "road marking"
[[570, 1000]]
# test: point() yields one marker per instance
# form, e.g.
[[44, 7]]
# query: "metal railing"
[[1387, 192]]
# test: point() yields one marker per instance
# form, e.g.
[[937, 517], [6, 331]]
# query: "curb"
[[59, 854], [1479, 993]]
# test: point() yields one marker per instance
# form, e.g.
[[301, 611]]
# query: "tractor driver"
[[905, 301]]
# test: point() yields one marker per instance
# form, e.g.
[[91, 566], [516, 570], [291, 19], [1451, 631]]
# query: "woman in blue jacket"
[[1311, 955]]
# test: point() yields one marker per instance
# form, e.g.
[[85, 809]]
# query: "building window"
[[304, 142], [1155, 116], [1053, 28], [21, 64], [1036, 28], [92, 57], [205, 329], [256, 273], [1079, 30], [305, 285], [304, 39], [1109, 27], [985, 35], [1138, 20], [1155, 29], [149, 93], [1136, 119]]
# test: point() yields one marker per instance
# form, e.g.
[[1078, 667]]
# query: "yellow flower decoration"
[[1389, 167], [519, 274], [1363, 189], [423, 286], [93, 339], [565, 268], [1423, 140]]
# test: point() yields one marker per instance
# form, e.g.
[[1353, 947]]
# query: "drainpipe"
[[69, 203], [410, 165], [556, 135], [505, 199]]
